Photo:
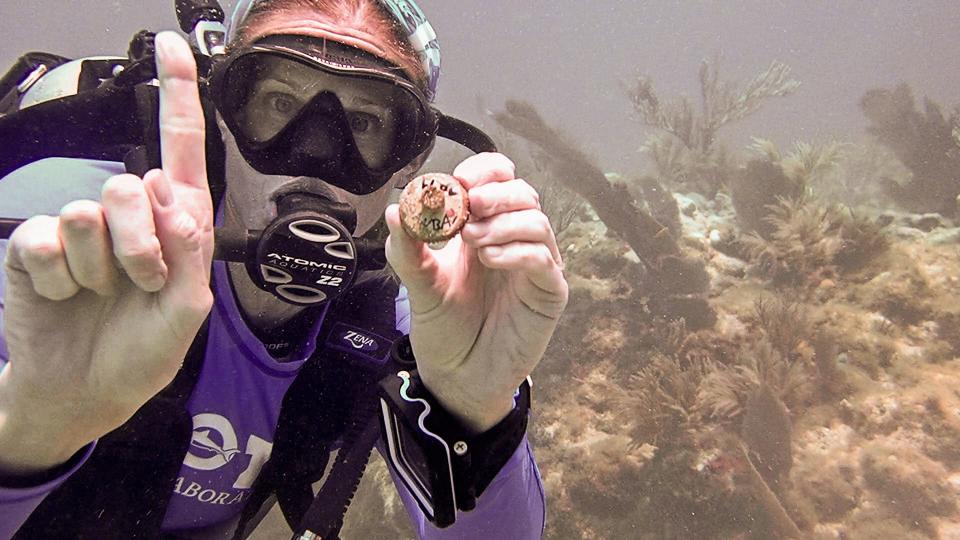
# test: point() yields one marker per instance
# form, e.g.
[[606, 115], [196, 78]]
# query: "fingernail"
[[156, 282], [161, 190], [160, 47]]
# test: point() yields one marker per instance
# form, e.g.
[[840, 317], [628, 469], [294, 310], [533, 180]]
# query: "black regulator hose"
[[236, 245]]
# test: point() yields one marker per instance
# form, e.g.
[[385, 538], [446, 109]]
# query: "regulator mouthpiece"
[[307, 255]]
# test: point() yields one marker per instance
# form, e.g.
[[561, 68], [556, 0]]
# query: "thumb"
[[414, 263]]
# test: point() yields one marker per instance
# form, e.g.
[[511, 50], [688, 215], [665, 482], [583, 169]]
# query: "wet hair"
[[368, 14]]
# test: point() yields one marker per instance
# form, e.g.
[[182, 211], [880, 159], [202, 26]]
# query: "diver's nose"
[[317, 143]]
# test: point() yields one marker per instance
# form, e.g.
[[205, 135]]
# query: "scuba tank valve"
[[203, 21]]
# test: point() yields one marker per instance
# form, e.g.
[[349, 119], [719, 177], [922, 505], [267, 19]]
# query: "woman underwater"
[[105, 434]]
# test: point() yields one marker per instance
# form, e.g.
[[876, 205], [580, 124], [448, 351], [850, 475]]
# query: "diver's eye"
[[363, 123], [282, 103]]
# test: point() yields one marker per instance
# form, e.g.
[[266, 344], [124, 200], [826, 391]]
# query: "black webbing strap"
[[344, 409], [324, 518], [333, 398], [313, 415]]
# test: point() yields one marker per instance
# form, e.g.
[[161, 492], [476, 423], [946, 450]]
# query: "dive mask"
[[306, 106]]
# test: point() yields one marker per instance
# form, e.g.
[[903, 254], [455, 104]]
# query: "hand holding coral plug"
[[485, 306]]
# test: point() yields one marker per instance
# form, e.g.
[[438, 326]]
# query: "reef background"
[[761, 342]]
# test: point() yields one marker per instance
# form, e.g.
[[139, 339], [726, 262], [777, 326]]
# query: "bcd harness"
[[332, 398]]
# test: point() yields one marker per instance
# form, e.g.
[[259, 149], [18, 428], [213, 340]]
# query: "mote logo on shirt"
[[214, 445]]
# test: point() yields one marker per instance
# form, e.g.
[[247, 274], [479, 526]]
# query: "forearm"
[[31, 463]]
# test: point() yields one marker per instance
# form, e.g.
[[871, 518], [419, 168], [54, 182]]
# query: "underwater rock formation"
[[925, 141], [909, 483], [685, 434]]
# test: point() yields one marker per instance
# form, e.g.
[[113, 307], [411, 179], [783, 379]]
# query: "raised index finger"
[[181, 116]]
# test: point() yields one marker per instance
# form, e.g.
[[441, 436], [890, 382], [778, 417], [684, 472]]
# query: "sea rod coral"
[[674, 282]]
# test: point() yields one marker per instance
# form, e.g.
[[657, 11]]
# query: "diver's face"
[[250, 195], [285, 87]]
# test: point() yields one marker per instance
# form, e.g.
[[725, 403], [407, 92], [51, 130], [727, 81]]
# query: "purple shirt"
[[235, 406]]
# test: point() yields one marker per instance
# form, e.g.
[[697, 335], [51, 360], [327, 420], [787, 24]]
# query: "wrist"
[[33, 436], [478, 409]]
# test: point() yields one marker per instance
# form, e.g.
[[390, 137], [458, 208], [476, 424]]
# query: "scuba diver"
[[161, 384]]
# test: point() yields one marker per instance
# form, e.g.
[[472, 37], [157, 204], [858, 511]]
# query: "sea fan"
[[724, 392], [924, 140], [725, 389], [863, 239], [664, 393], [807, 161]]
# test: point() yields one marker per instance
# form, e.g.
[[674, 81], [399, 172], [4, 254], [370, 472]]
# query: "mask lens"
[[268, 94]]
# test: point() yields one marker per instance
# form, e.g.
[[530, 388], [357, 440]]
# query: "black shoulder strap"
[[126, 484], [333, 398], [114, 123], [104, 125]]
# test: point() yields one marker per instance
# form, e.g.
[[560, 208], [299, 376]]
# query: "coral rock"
[[434, 207], [911, 484]]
